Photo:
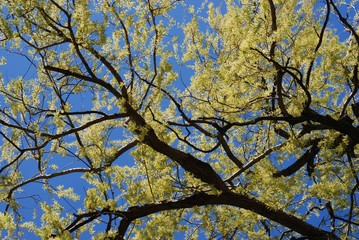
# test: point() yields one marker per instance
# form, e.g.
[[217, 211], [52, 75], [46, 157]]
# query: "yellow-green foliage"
[[117, 93]]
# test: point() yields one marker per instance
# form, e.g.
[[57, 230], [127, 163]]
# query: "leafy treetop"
[[232, 120]]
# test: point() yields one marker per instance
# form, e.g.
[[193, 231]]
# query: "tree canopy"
[[152, 119]]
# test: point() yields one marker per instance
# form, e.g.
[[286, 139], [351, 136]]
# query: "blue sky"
[[18, 66]]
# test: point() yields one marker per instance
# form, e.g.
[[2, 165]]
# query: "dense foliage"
[[152, 119]]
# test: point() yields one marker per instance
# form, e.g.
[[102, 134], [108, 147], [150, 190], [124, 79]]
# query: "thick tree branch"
[[198, 168], [227, 198], [300, 162], [273, 26]]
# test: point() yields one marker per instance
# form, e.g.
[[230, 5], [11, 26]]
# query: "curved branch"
[[86, 125], [227, 198], [97, 81], [305, 158]]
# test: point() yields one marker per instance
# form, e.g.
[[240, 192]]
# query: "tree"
[[237, 120]]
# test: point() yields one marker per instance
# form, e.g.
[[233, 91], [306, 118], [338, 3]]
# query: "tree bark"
[[231, 199]]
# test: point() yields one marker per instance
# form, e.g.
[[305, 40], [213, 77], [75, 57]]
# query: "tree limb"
[[300, 162], [230, 199]]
